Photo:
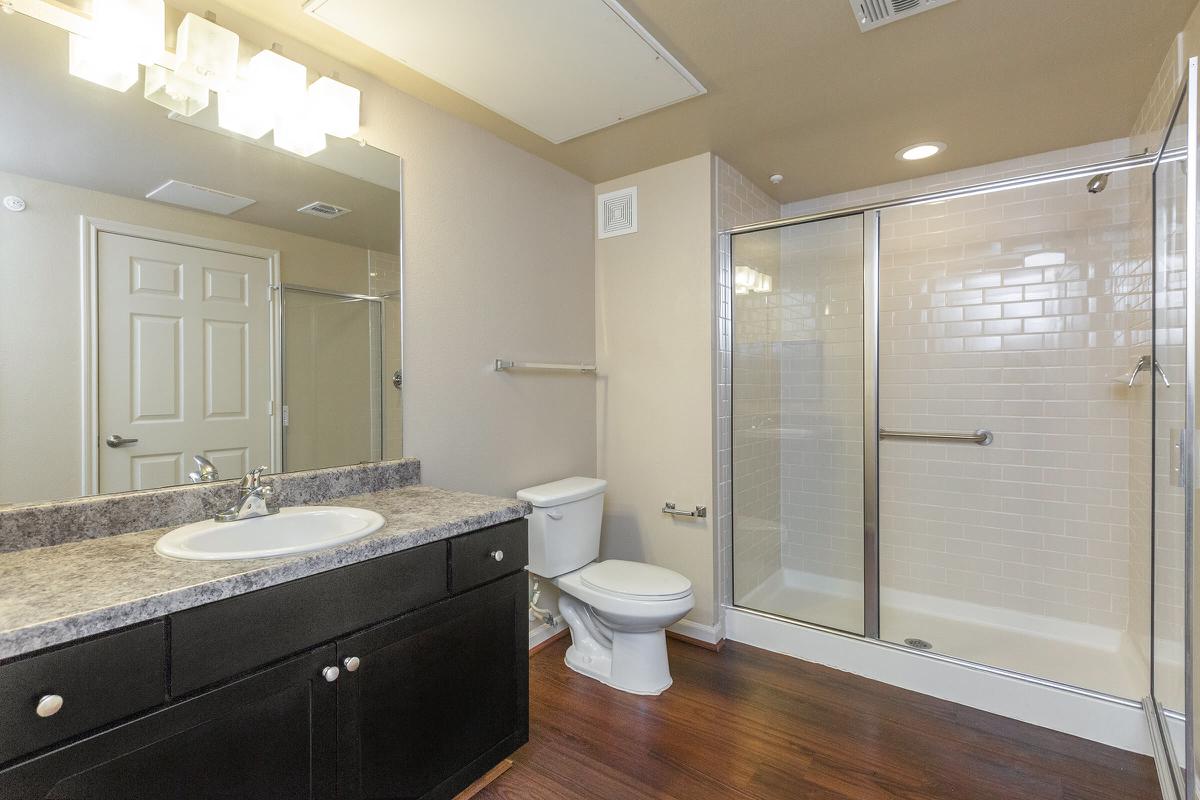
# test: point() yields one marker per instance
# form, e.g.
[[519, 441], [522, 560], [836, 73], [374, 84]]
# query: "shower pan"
[[961, 425]]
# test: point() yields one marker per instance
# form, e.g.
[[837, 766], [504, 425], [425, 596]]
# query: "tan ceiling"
[[795, 88]]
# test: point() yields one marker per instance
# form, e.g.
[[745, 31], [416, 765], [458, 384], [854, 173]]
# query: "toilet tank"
[[564, 528]]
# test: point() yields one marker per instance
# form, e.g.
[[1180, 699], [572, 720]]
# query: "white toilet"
[[617, 610]]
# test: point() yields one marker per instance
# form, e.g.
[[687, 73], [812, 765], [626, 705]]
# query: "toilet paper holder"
[[699, 511]]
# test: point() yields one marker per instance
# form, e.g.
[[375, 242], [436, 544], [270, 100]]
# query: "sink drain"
[[918, 644]]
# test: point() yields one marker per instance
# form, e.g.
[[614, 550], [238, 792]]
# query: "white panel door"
[[184, 361]]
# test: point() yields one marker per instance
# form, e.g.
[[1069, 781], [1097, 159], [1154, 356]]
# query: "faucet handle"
[[251, 480]]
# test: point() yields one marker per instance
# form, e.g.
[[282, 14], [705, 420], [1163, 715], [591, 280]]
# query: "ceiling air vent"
[[874, 13], [616, 213], [214, 201], [323, 210]]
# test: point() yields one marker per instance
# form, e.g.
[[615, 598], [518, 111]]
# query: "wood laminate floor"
[[745, 723]]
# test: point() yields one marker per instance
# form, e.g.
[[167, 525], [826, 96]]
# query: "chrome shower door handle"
[[117, 440], [1158, 368]]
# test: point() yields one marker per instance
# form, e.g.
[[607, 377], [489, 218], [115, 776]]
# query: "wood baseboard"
[[713, 646], [540, 646], [491, 775]]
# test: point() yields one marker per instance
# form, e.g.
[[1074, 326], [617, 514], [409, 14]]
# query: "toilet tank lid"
[[567, 490]]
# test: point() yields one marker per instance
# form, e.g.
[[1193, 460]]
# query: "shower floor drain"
[[919, 644]]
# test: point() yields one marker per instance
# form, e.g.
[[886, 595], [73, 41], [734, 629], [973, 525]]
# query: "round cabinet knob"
[[497, 555], [49, 705], [330, 674], [351, 663]]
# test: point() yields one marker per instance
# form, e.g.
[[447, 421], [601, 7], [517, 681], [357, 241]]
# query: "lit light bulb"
[[95, 61]]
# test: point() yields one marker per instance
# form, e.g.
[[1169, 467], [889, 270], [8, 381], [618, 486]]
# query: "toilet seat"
[[634, 580]]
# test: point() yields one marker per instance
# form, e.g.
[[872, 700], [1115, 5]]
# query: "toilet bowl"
[[619, 637], [618, 611]]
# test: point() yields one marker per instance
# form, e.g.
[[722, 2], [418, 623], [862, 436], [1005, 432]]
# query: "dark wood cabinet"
[[422, 703], [269, 736], [438, 696]]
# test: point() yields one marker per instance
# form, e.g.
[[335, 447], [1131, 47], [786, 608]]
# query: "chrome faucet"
[[252, 499], [205, 471]]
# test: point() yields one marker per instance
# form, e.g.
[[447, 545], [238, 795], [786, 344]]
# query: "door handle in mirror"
[[117, 440]]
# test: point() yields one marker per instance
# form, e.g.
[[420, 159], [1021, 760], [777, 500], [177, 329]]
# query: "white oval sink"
[[292, 530]]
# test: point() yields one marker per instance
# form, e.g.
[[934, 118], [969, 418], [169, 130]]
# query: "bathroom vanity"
[[399, 673]]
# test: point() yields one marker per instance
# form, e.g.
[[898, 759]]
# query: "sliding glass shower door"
[[1011, 326], [798, 421]]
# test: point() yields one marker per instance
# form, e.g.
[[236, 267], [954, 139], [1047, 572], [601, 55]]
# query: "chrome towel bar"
[[502, 365], [979, 437]]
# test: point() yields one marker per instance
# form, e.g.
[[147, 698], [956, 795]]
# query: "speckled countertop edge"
[[52, 595]]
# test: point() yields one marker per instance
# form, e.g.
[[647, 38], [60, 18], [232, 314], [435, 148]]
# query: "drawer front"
[[218, 641], [99, 681], [473, 555]]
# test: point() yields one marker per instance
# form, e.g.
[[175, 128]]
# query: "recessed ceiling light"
[[916, 152]]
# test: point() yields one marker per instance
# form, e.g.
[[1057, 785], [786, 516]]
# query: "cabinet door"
[[267, 736], [439, 696]]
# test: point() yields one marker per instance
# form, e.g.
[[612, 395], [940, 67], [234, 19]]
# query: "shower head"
[[1098, 182]]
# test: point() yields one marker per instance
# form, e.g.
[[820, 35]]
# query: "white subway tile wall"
[[1007, 312], [756, 501]]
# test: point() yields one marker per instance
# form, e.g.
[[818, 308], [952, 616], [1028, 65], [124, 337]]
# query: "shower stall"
[[961, 424]]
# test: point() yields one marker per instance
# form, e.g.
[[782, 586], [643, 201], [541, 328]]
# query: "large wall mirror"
[[170, 290]]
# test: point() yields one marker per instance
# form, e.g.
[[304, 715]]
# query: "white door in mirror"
[[292, 530], [185, 361]]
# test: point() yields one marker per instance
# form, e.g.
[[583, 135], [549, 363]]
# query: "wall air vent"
[[616, 213], [323, 210], [872, 14]]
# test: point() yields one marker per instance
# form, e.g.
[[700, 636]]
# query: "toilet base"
[[634, 662]]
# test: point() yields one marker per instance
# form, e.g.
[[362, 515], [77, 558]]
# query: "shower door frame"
[[870, 214], [381, 307]]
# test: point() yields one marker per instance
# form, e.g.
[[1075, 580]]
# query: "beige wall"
[[40, 295], [654, 391], [498, 262]]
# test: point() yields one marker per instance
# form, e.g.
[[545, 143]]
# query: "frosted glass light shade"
[[336, 106], [133, 27], [240, 111], [171, 92], [206, 53], [280, 83], [300, 134], [94, 61]]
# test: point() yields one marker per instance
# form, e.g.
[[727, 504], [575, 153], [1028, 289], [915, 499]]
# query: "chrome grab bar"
[[979, 437], [669, 508]]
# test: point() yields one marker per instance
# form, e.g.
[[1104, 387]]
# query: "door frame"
[[90, 229]]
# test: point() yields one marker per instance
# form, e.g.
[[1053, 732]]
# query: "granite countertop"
[[51, 595]]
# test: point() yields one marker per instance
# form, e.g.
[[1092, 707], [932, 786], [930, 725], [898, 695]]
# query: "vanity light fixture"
[[95, 61], [273, 93], [336, 105], [747, 280], [300, 134], [922, 150], [239, 111], [133, 28], [280, 83], [173, 93], [206, 53]]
